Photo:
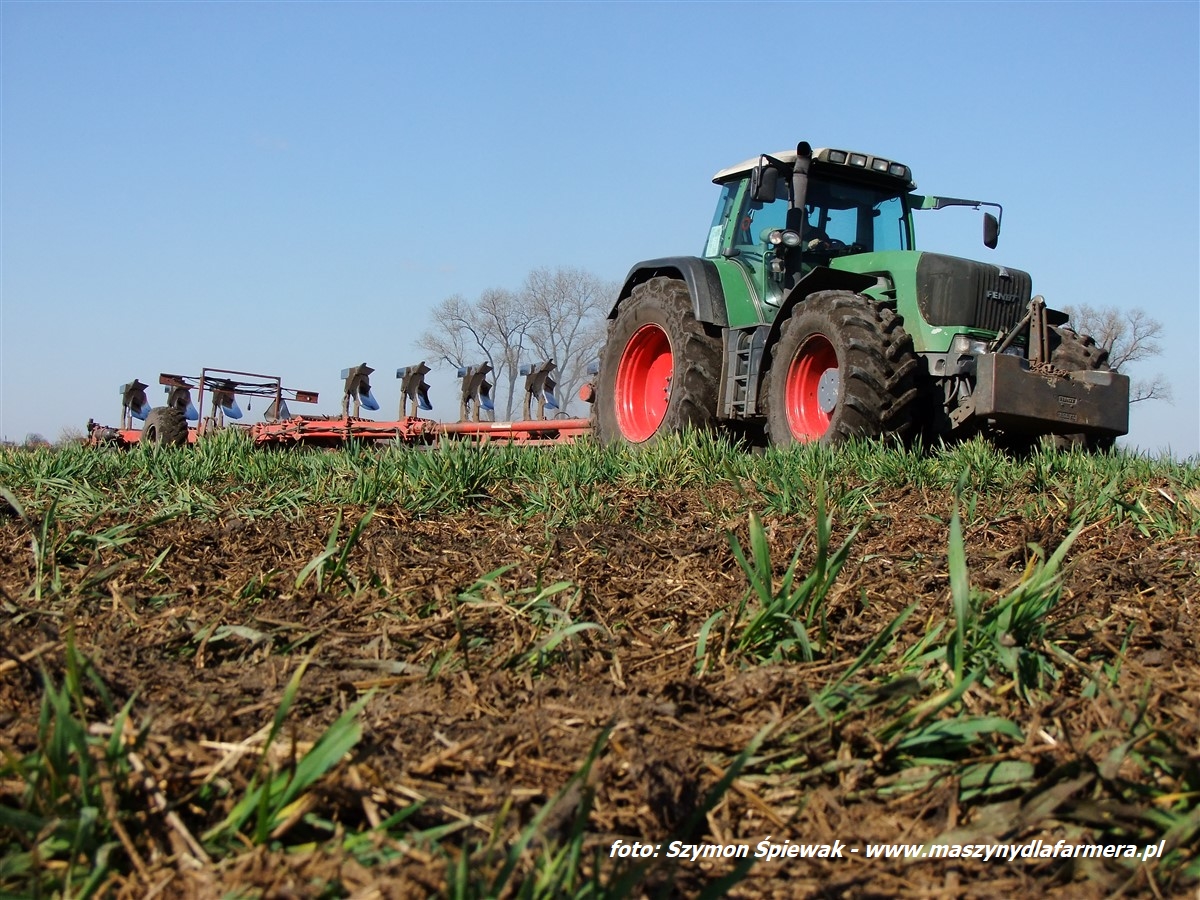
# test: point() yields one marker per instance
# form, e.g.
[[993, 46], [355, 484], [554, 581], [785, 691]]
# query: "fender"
[[700, 275]]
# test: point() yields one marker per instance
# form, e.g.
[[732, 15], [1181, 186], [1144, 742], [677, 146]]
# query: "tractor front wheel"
[[165, 426], [659, 369], [843, 367]]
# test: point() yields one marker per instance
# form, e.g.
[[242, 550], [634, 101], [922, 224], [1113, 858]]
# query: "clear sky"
[[288, 188]]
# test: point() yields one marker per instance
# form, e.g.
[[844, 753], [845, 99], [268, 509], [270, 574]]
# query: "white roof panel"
[[787, 156]]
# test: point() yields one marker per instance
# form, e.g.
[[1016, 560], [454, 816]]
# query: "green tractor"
[[811, 316]]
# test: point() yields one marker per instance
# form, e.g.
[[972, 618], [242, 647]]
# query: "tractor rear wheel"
[[1073, 352], [843, 367], [165, 426], [660, 367]]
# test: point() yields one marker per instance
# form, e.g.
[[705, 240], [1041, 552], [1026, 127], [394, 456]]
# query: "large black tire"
[[660, 367], [843, 367], [165, 426], [1073, 352]]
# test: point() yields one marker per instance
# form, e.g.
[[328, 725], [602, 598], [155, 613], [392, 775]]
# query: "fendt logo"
[[1003, 298]]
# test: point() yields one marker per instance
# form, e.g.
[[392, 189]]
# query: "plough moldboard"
[[216, 408]]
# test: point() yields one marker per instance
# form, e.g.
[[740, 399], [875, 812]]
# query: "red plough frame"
[[328, 431]]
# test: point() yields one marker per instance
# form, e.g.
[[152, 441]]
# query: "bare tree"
[[559, 314], [507, 318], [70, 434], [492, 329], [569, 307], [458, 335], [1130, 336]]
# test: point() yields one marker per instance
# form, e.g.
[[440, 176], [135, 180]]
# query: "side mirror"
[[991, 231], [763, 180]]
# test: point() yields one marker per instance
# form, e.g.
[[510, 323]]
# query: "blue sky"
[[288, 188]]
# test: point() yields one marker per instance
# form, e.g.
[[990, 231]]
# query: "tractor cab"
[[847, 209]]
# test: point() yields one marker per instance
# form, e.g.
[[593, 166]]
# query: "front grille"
[[953, 291], [1001, 301]]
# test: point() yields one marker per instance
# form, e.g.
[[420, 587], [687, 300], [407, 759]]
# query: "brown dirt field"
[[461, 720]]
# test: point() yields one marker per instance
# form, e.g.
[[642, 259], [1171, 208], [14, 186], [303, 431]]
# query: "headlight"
[[964, 344], [879, 165], [857, 159]]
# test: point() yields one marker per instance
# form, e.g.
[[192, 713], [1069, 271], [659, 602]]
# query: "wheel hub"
[[827, 390]]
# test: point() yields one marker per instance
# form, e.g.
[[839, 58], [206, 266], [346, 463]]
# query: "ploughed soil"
[[475, 721]]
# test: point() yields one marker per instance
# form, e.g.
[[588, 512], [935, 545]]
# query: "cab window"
[[858, 216], [729, 190], [754, 217]]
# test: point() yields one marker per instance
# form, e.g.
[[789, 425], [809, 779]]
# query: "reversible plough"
[[216, 407]]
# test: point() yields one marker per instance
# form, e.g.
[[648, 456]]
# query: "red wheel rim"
[[643, 384], [810, 393]]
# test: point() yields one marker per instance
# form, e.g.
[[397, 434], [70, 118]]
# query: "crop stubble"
[[467, 717]]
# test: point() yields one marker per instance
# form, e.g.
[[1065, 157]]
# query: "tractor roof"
[[787, 156], [866, 164]]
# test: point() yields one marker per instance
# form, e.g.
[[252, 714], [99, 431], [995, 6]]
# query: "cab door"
[[750, 250]]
